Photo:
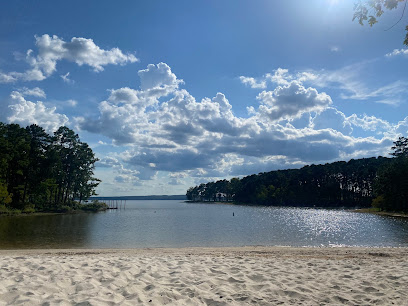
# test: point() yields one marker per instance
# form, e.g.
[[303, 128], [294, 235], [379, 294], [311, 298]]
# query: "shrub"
[[29, 209], [93, 206]]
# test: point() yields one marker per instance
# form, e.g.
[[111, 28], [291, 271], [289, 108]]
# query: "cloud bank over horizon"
[[165, 129], [159, 132]]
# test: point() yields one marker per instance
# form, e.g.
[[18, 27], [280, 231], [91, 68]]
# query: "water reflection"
[[177, 224], [46, 231]]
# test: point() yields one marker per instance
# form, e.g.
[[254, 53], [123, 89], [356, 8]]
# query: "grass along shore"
[[75, 207]]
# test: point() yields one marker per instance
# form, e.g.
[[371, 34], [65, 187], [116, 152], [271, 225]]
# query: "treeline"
[[391, 185], [335, 184], [340, 184], [41, 172]]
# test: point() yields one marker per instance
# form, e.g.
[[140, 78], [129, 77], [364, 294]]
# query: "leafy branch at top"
[[370, 10]]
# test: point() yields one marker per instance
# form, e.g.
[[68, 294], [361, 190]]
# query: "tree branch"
[[403, 11]]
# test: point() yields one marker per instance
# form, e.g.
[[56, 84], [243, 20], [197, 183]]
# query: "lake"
[[178, 224]]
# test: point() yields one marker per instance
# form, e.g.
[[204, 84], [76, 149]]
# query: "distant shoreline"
[[373, 211], [380, 213], [149, 197]]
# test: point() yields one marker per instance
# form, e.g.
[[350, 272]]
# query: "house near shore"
[[221, 197]]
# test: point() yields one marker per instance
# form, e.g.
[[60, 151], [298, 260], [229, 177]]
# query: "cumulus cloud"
[[122, 174], [167, 129], [25, 113], [402, 127], [347, 79], [370, 123], [280, 76], [291, 101], [52, 49], [108, 162], [34, 92], [158, 80], [332, 118], [251, 82]]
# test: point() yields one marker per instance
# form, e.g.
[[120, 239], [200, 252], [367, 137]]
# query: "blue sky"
[[170, 94]]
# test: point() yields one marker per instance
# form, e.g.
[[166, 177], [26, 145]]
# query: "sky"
[[171, 94]]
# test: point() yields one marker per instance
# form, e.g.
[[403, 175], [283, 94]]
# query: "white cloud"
[[349, 80], [291, 101], [72, 102], [81, 51], [158, 77], [397, 52], [386, 94], [280, 76], [333, 119], [66, 79], [108, 162], [25, 113], [335, 49], [177, 178], [7, 78], [167, 129], [402, 127], [52, 49], [370, 123], [34, 92], [251, 82]]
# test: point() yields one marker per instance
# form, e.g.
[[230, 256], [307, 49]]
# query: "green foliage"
[[29, 209], [64, 209], [94, 206], [378, 202], [391, 185], [345, 184], [406, 36], [8, 211], [3, 209], [47, 171], [5, 197], [400, 147], [369, 10]]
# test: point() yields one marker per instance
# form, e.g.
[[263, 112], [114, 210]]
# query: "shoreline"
[[201, 276], [380, 213], [266, 250]]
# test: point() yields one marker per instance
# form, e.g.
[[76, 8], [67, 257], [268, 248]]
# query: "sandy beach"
[[209, 276]]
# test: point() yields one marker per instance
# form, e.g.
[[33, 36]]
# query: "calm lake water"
[[178, 224]]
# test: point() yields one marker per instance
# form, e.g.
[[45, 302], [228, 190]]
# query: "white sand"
[[214, 276]]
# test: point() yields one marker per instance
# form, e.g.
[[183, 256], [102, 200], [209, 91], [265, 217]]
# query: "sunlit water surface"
[[178, 224]]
